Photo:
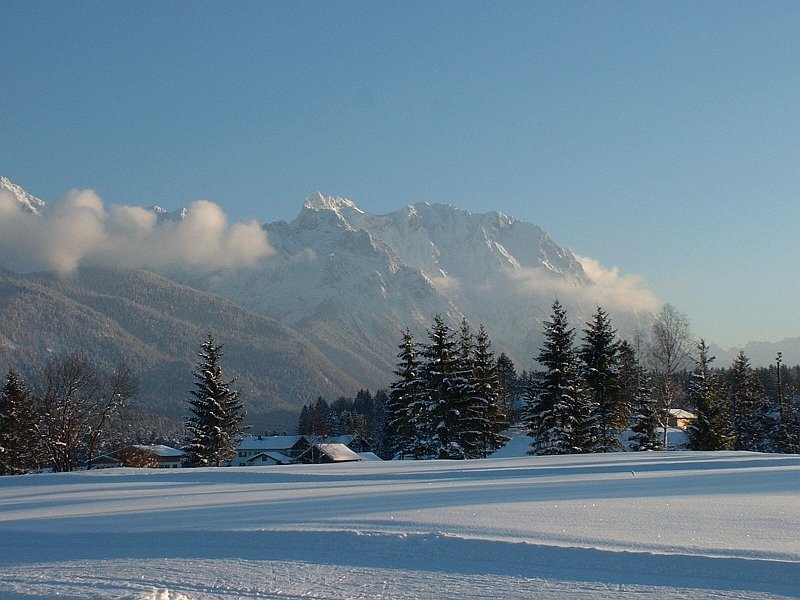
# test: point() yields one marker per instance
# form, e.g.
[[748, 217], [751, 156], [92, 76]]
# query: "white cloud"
[[78, 230], [611, 290], [617, 291], [446, 284]]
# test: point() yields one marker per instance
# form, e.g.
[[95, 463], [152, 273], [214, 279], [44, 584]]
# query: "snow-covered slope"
[[627, 525], [352, 281], [28, 201]]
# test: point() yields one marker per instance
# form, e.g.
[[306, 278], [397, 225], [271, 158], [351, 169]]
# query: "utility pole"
[[778, 360]]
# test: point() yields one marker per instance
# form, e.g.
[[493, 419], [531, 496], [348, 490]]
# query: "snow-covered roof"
[[106, 458], [268, 442], [159, 450], [337, 452], [679, 413], [369, 456], [278, 457]]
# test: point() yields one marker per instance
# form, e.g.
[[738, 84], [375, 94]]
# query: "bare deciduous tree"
[[77, 405], [668, 353]]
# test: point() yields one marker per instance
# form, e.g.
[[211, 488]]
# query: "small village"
[[270, 450], [253, 450]]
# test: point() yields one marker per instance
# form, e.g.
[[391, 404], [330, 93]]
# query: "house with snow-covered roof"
[[677, 417], [354, 442], [324, 453], [262, 450], [150, 456], [154, 456]]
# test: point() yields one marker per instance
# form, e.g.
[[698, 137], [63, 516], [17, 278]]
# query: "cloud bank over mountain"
[[618, 291], [79, 230]]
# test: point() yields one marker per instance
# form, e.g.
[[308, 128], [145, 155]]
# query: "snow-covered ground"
[[631, 525]]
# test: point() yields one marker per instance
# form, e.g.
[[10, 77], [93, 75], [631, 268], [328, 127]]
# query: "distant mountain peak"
[[29, 202], [166, 215], [319, 201]]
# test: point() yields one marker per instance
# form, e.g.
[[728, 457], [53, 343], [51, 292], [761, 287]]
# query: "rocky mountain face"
[[351, 281], [26, 200]]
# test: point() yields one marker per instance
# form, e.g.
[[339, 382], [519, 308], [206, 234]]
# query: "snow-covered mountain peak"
[[319, 201], [29, 202], [166, 215]]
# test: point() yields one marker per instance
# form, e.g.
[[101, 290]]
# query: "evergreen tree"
[[364, 404], [304, 423], [466, 346], [20, 448], [712, 430], [751, 420], [404, 391], [215, 425], [474, 396], [644, 418], [508, 386], [486, 393], [379, 403], [322, 418], [785, 435], [559, 401], [600, 356], [438, 409], [339, 412]]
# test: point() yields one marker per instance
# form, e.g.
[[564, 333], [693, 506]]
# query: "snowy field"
[[627, 525]]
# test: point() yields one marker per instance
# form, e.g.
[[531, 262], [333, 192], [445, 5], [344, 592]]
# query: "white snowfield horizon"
[[676, 524]]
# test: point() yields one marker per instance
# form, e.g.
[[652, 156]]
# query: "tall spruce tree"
[[304, 422], [559, 401], [20, 447], [712, 430], [508, 386], [439, 408], [215, 427], [600, 356], [486, 391], [379, 404], [644, 419], [785, 435], [402, 401], [749, 407], [474, 396]]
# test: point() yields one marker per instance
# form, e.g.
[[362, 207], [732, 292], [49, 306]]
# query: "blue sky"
[[663, 138]]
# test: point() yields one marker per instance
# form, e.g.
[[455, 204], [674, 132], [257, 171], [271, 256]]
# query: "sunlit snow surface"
[[679, 525]]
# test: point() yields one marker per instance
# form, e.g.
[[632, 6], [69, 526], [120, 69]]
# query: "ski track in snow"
[[666, 525]]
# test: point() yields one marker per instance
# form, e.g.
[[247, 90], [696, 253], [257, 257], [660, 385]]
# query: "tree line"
[[77, 412], [73, 415], [451, 398]]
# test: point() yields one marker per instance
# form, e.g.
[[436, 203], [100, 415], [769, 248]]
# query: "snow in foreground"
[[680, 525]]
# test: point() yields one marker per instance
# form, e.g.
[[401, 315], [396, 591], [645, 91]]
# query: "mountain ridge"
[[376, 275], [322, 313], [28, 201]]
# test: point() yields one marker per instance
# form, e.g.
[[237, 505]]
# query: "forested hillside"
[[154, 326]]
